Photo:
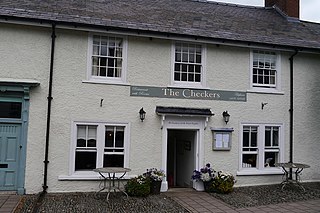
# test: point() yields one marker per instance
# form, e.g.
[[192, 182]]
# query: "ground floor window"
[[261, 146], [99, 145]]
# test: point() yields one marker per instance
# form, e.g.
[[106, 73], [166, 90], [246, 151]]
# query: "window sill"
[[93, 176], [253, 171], [265, 91], [106, 82]]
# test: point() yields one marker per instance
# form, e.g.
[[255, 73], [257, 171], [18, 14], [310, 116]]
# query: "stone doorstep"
[[8, 193]]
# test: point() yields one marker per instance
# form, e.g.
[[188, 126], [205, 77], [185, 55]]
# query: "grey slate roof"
[[209, 20]]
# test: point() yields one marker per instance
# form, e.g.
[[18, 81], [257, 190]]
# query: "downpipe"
[[49, 98], [291, 112]]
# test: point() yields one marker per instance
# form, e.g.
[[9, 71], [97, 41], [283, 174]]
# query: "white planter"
[[198, 185]]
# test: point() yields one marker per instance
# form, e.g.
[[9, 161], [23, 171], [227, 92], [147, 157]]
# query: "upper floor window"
[[188, 67], [261, 146], [107, 58], [265, 70]]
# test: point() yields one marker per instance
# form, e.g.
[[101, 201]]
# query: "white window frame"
[[100, 146], [277, 88], [261, 169], [107, 80], [199, 85]]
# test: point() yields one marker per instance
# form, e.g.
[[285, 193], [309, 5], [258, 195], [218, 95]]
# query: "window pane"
[[85, 160], [103, 62], [113, 160], [275, 136], [253, 138], [267, 136], [249, 160], [95, 61], [190, 77], [184, 77], [81, 133], [178, 57], [119, 137], [104, 40], [102, 71], [109, 137], [10, 109], [185, 57], [111, 62], [184, 68], [245, 138], [191, 58], [96, 40], [92, 132], [198, 59], [270, 158], [96, 50], [104, 50], [118, 72], [177, 67], [197, 78], [198, 68], [94, 70], [91, 143], [81, 143], [177, 76], [255, 79], [110, 72], [119, 52], [191, 68]]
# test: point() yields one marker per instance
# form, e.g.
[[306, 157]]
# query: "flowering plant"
[[205, 174], [154, 174], [223, 182], [138, 186]]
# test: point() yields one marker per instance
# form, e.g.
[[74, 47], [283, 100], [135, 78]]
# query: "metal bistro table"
[[112, 179], [298, 169]]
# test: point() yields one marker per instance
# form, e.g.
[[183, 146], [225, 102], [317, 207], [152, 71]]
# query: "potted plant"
[[155, 176], [138, 186], [223, 182], [202, 180]]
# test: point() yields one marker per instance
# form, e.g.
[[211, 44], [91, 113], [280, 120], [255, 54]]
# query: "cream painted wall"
[[25, 54], [149, 64]]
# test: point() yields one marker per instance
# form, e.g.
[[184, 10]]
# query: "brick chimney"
[[289, 7]]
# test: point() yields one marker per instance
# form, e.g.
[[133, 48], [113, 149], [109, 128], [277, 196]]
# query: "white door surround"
[[183, 123]]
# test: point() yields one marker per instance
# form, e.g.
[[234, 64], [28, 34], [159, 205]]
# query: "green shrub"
[[138, 187], [223, 182]]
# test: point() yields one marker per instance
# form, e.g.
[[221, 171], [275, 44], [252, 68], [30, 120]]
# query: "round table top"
[[292, 165], [112, 170]]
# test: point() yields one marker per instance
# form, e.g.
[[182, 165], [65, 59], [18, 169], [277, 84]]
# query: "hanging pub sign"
[[182, 93]]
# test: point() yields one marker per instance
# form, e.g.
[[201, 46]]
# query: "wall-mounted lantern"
[[142, 114], [226, 116]]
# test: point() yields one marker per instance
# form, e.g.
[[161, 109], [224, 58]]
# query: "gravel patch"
[[90, 202], [269, 194]]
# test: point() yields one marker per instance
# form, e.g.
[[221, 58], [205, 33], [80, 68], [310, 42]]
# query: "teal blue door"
[[9, 155]]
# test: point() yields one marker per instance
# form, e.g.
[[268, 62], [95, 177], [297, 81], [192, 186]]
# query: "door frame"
[[19, 90], [183, 123]]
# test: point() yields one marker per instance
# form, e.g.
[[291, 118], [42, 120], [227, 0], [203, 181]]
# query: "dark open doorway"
[[181, 157]]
